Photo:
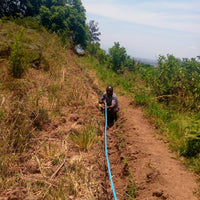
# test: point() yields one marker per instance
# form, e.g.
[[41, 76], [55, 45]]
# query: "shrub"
[[17, 57], [192, 142], [86, 138]]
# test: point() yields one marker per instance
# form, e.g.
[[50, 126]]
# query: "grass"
[[85, 138], [51, 85], [177, 126], [49, 89], [131, 191]]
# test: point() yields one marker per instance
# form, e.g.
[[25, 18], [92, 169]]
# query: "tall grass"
[[181, 128], [86, 137], [41, 86], [17, 57]]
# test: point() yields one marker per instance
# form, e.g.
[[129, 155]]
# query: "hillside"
[[51, 101], [52, 143]]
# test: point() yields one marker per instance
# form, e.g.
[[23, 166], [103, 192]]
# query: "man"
[[112, 103]]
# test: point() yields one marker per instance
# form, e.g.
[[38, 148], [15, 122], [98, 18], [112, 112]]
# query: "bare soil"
[[155, 169]]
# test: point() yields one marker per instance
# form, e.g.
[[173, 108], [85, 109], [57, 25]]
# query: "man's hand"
[[101, 102], [110, 107]]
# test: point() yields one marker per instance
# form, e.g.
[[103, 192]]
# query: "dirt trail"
[[157, 173]]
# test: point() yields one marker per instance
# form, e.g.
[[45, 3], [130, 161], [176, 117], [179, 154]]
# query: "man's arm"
[[111, 106], [114, 103]]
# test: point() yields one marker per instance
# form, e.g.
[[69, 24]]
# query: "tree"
[[50, 3], [94, 31], [55, 19], [12, 7], [65, 17], [26, 7], [118, 57], [77, 23], [32, 7]]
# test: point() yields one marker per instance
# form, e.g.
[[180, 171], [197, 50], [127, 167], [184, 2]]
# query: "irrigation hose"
[[108, 164]]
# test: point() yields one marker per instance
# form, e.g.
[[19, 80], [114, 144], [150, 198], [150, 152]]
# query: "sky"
[[148, 28]]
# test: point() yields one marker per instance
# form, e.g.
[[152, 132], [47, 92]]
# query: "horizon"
[[148, 29]]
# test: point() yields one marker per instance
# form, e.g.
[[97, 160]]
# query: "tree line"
[[65, 17]]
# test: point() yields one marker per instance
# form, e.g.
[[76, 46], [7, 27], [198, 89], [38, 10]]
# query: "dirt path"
[[157, 173]]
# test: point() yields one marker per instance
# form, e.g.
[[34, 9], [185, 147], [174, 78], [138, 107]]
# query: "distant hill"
[[147, 61]]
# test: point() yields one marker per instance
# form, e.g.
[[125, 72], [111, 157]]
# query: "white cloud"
[[193, 47], [141, 15], [148, 28]]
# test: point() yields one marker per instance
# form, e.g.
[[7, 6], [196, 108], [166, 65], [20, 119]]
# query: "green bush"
[[142, 99], [18, 56], [192, 142]]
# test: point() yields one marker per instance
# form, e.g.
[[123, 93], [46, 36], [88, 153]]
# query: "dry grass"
[[47, 94]]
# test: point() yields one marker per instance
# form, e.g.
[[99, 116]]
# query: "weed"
[[18, 125], [190, 146], [149, 164], [131, 191], [5, 161], [85, 138], [125, 160], [39, 117], [17, 57]]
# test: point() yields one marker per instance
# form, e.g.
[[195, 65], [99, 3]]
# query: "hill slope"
[[52, 144]]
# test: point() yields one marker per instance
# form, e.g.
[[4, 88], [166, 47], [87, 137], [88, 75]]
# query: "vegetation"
[[65, 17], [94, 31], [86, 138], [41, 82], [169, 94], [119, 58]]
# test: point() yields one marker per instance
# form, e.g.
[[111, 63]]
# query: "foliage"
[[17, 57], [26, 7], [190, 147], [85, 138], [11, 7], [66, 18], [19, 7], [119, 58], [93, 31], [93, 48], [169, 94], [55, 18], [78, 24], [175, 81]]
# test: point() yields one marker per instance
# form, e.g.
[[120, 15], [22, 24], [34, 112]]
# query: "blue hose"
[[113, 189]]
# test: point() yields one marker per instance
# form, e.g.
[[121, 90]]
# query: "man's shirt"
[[112, 100]]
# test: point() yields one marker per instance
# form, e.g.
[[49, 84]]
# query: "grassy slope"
[[52, 100], [175, 126]]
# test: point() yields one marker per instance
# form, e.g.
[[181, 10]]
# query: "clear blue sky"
[[147, 28]]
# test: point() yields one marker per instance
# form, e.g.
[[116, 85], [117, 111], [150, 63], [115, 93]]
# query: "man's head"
[[109, 90]]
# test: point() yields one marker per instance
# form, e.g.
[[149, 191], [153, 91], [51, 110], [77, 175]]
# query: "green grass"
[[85, 138], [181, 128], [131, 190]]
